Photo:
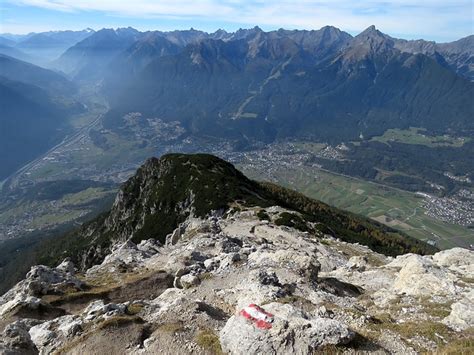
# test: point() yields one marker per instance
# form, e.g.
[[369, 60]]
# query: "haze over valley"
[[325, 98]]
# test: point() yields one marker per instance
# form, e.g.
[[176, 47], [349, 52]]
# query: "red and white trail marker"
[[258, 316]]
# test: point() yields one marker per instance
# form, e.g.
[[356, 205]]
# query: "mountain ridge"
[[167, 192], [278, 89]]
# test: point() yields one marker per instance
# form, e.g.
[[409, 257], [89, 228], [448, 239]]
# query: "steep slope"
[[321, 43], [7, 42], [15, 53], [208, 84], [458, 55], [130, 62], [18, 70], [182, 38], [30, 123], [371, 86], [168, 191], [35, 105], [87, 59]]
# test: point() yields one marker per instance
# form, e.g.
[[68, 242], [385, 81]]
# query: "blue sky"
[[440, 20]]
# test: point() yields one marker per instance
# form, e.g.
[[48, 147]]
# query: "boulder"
[[42, 279], [302, 263], [16, 339], [173, 238], [230, 245], [51, 335], [358, 263], [99, 310], [149, 246], [67, 266], [212, 263], [457, 259], [462, 313], [21, 300], [291, 332], [419, 276]]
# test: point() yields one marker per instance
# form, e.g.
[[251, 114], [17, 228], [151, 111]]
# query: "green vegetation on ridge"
[[165, 191]]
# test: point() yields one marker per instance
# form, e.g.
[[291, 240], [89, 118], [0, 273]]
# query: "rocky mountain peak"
[[166, 191], [371, 38], [370, 44], [331, 31]]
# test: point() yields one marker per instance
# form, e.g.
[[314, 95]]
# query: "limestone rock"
[[358, 263], [189, 280], [292, 332], [40, 280], [50, 335], [462, 313], [420, 277], [67, 266], [16, 339], [457, 259], [98, 309]]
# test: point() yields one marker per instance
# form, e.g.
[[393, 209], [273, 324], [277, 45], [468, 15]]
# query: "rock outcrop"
[[240, 285]]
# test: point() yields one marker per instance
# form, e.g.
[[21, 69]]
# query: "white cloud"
[[428, 18]]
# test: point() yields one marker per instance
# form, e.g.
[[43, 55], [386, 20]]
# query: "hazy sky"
[[440, 20]]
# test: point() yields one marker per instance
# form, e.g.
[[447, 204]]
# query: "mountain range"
[[263, 86], [41, 48], [252, 85]]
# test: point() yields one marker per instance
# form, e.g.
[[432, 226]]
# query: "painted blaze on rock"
[[258, 316]]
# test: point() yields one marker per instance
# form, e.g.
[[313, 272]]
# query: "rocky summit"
[[250, 277]]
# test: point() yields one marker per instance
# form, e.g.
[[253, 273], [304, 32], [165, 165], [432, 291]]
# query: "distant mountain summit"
[[88, 58], [44, 47]]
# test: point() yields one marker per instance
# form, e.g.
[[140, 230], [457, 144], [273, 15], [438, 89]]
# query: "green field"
[[396, 208], [415, 135]]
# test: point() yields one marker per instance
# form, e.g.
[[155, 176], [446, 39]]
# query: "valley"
[[442, 221], [391, 157]]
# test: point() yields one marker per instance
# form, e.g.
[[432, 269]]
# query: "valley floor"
[[99, 154]]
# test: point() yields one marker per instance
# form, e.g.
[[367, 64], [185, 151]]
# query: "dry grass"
[[466, 280], [118, 321], [350, 251], [430, 330], [463, 345], [437, 310], [208, 339], [173, 328], [135, 308], [99, 286], [205, 276]]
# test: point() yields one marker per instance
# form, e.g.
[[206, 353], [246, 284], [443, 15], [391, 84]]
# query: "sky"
[[438, 20]]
